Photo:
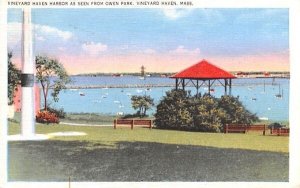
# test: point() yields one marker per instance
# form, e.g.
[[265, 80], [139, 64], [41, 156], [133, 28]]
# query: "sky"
[[163, 40]]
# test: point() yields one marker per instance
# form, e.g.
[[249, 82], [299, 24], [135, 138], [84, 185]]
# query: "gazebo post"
[[176, 83], [182, 83], [225, 86], [230, 86], [197, 85], [209, 87]]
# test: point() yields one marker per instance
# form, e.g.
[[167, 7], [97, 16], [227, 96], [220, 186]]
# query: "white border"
[[294, 176]]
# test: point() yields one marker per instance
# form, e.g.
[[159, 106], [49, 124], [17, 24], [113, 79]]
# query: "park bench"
[[261, 128], [280, 131], [133, 122], [242, 128]]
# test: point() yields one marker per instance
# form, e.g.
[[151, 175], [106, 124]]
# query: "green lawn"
[[141, 154], [109, 136]]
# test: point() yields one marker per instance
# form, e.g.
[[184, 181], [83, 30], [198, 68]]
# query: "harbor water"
[[267, 97]]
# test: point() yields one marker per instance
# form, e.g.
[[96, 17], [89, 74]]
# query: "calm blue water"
[[113, 100]]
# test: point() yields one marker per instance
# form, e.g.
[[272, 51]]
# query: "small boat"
[[263, 118], [139, 91], [253, 98], [128, 94], [120, 113], [104, 96], [212, 90], [81, 94], [142, 78], [116, 101]]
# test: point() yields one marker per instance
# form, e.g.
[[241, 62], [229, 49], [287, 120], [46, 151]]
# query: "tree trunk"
[[45, 93]]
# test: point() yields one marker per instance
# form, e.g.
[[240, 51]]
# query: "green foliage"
[[207, 115], [58, 112], [179, 110], [235, 111], [173, 111], [14, 78], [51, 74], [142, 104]]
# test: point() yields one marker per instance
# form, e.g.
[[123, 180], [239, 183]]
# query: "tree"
[[142, 104], [14, 78], [52, 75]]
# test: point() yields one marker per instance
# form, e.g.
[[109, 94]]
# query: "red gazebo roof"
[[203, 70]]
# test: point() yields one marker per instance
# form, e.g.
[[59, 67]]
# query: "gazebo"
[[201, 74]]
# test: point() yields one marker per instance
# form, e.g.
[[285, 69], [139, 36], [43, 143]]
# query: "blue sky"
[[241, 36]]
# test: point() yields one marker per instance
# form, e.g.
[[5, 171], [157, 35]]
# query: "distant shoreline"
[[167, 74]]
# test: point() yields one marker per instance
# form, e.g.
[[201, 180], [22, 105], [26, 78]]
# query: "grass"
[[141, 154], [109, 136]]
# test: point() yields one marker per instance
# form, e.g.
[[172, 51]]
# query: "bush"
[[58, 112], [172, 112], [236, 113], [46, 117], [207, 114], [179, 110], [276, 125]]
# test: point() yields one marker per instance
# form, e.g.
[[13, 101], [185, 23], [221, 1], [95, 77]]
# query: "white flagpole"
[[27, 78]]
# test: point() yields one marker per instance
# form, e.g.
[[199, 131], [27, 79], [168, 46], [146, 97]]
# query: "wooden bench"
[[261, 128], [235, 128], [133, 122], [242, 128], [280, 131]]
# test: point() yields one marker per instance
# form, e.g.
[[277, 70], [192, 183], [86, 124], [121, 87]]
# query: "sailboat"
[[279, 95], [264, 88]]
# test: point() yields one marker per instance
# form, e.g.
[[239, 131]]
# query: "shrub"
[[58, 112], [46, 117], [275, 125], [207, 115], [235, 111], [172, 111], [179, 110]]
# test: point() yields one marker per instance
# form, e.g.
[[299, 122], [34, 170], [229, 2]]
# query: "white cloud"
[[94, 48], [41, 33], [149, 51], [47, 30], [174, 14], [181, 50]]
